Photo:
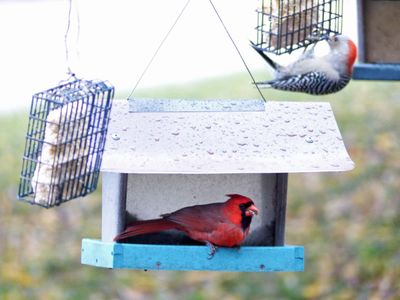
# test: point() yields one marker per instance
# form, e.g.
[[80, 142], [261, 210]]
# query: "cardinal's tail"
[[144, 227]]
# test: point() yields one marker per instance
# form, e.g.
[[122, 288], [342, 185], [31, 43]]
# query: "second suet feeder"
[[65, 142], [287, 25]]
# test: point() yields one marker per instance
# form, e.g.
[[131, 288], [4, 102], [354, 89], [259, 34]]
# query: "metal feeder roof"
[[275, 137]]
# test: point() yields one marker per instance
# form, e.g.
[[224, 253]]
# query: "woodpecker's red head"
[[345, 46]]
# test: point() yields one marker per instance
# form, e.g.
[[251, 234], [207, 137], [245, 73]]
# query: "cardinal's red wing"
[[208, 223], [203, 218]]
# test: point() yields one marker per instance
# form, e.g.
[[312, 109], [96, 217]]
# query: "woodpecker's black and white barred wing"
[[314, 83]]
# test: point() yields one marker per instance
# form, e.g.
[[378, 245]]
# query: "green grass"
[[348, 222]]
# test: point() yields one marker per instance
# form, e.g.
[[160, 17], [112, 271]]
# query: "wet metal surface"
[[184, 105]]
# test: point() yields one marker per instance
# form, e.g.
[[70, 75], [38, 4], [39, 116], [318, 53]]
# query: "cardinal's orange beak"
[[252, 210]]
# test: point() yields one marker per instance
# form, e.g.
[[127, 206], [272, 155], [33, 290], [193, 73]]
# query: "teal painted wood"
[[188, 258], [364, 71]]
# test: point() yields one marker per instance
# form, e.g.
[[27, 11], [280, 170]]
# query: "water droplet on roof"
[[309, 139]]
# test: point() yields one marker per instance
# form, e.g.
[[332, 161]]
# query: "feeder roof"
[[281, 137]]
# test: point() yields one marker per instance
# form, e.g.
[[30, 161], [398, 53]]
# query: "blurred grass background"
[[348, 222]]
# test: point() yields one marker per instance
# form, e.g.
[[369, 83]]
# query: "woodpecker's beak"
[[252, 210], [333, 38]]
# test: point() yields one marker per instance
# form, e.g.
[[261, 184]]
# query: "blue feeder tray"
[[185, 258]]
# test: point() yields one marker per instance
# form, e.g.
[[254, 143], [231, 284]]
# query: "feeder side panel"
[[279, 202], [360, 31], [113, 205], [381, 29]]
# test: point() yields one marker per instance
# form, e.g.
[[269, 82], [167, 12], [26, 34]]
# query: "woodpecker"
[[315, 75]]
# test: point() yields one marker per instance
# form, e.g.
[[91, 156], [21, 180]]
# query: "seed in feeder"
[[64, 154], [291, 22]]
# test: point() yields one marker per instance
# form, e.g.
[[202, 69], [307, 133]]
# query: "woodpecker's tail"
[[273, 64], [144, 227]]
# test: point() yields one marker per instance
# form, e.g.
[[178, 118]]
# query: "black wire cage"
[[65, 142], [287, 25]]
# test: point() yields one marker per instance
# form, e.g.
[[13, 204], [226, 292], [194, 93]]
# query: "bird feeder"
[[65, 142], [378, 40], [287, 25], [162, 155]]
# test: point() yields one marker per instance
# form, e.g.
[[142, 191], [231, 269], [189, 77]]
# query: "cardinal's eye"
[[242, 206]]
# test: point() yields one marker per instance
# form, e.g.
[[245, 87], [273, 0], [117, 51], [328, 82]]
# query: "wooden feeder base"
[[191, 258]]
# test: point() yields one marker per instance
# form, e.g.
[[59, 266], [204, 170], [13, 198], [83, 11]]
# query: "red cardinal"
[[217, 224]]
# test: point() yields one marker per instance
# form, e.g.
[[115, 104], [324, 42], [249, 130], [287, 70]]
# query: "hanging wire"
[[170, 30], [78, 29], [67, 32], [237, 49], [159, 47]]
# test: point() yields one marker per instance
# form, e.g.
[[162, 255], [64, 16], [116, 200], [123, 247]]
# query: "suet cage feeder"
[[287, 25], [162, 155], [65, 142], [378, 40]]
